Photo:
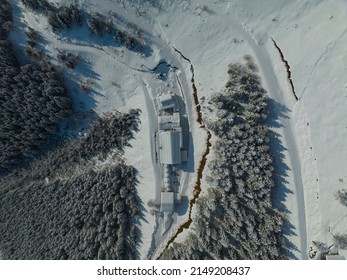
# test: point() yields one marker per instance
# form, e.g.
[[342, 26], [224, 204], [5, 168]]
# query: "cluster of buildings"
[[169, 146], [170, 139]]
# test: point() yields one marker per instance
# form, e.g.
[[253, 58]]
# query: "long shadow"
[[142, 210], [189, 165], [183, 206], [187, 137], [182, 107], [275, 113], [289, 229], [86, 70], [83, 100]]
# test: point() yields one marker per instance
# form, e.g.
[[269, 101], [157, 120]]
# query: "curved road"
[[276, 92]]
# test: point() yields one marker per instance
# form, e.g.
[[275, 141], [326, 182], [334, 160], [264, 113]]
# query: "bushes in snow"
[[38, 5], [64, 17], [33, 101], [112, 131], [341, 196], [340, 240], [67, 206], [70, 60], [236, 219], [96, 24], [59, 18]]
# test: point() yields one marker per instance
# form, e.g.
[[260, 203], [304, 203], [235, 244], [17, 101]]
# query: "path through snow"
[[287, 131]]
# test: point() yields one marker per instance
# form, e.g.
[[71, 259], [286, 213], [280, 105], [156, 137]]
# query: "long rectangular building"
[[170, 143]]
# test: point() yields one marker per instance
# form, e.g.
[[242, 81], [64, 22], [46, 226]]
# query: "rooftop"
[[167, 122], [334, 257], [167, 201], [166, 101], [170, 146]]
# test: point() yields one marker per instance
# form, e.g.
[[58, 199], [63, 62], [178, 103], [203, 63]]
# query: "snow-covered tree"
[[340, 240], [236, 218]]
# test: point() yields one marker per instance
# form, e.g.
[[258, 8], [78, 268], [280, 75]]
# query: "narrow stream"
[[197, 188], [286, 64]]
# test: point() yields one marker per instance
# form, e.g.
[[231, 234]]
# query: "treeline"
[[33, 101], [108, 134], [88, 216], [67, 206], [65, 17], [340, 240], [59, 18], [99, 25], [236, 219]]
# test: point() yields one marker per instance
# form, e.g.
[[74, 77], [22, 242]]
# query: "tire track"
[[275, 90]]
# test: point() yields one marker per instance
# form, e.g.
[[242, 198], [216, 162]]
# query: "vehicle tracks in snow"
[[288, 131]]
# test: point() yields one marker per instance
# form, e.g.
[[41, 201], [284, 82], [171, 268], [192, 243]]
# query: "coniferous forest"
[[236, 218], [33, 101], [69, 205], [77, 200]]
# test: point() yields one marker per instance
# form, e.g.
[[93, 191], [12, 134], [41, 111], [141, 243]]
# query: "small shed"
[[167, 122], [166, 101], [334, 257], [167, 201]]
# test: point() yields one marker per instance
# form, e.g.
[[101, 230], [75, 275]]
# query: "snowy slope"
[[312, 37]]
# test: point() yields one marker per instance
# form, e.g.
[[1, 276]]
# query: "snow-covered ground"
[[211, 34]]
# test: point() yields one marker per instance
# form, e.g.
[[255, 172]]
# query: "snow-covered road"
[[287, 132]]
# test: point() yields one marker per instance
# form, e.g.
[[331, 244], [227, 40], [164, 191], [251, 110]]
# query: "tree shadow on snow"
[[81, 35], [142, 210], [276, 113]]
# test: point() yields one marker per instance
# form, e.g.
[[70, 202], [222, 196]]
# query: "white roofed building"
[[167, 122], [167, 202], [166, 101], [169, 141], [170, 144]]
